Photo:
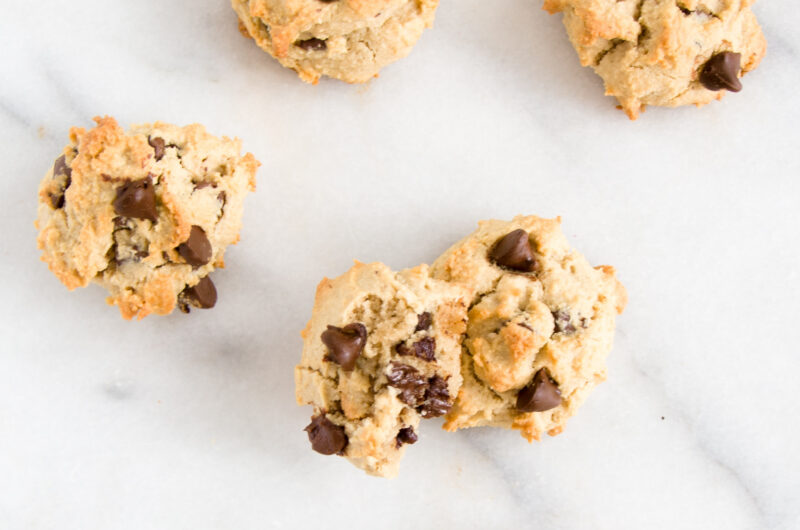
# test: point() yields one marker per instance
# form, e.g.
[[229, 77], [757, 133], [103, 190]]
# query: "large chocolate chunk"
[[540, 395], [721, 72], [513, 251], [345, 344], [325, 436], [137, 199], [197, 249]]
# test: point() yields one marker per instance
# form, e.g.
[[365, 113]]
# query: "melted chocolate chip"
[[345, 344], [137, 199], [540, 395], [513, 251], [406, 436], [326, 437], [158, 146], [197, 249], [722, 72], [312, 45], [203, 295], [424, 322], [409, 382], [437, 398], [561, 321], [425, 349]]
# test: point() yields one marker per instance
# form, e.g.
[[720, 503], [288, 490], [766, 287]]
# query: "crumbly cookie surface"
[[349, 40], [146, 214], [540, 325], [381, 351], [659, 52]]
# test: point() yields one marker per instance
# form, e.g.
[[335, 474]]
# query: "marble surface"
[[190, 422]]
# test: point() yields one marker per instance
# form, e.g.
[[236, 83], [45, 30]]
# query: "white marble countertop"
[[190, 422]]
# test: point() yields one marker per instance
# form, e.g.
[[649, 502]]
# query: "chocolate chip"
[[561, 320], [312, 45], [57, 199], [409, 382], [513, 251], [437, 398], [424, 321], [325, 436], [424, 349], [137, 199], [203, 295], [541, 394], [345, 344], [197, 249], [158, 146], [60, 168], [406, 436], [722, 72]]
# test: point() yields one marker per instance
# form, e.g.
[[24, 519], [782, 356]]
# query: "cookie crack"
[[614, 44]]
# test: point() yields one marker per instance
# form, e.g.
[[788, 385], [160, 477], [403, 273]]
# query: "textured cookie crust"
[[558, 317], [349, 40], [651, 52], [197, 184], [410, 321]]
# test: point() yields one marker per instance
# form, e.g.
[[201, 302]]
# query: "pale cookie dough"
[[657, 52], [145, 214], [382, 350], [541, 323], [349, 40]]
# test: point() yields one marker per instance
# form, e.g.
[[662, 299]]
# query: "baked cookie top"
[[664, 52], [349, 40], [146, 214], [381, 351], [541, 323]]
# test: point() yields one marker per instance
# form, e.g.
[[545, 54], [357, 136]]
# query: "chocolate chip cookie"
[[540, 325], [145, 214], [349, 40], [381, 351], [664, 52]]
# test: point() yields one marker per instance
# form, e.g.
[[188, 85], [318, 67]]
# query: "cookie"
[[540, 325], [381, 351], [349, 40], [145, 214], [663, 52]]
